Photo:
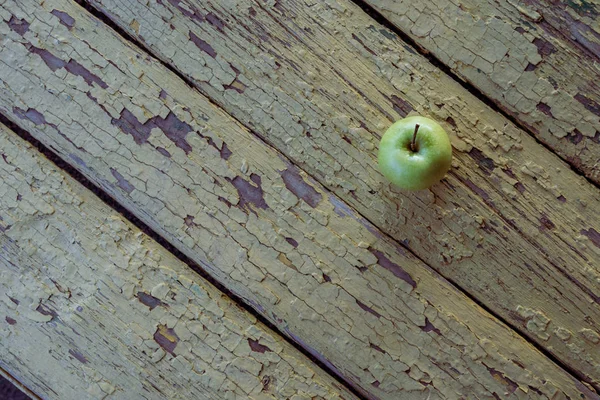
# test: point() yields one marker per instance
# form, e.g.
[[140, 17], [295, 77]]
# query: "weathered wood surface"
[[92, 308], [322, 80], [18, 386], [537, 59], [327, 278]]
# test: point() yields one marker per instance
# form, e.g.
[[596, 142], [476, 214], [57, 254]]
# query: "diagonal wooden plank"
[[577, 21], [18, 386], [320, 80], [92, 308], [536, 59], [326, 277]]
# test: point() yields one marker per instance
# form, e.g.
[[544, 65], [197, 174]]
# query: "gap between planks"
[[112, 203], [406, 39], [7, 375], [472, 89]]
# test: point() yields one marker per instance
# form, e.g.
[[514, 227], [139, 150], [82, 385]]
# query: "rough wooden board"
[[296, 253], [536, 59], [20, 391], [577, 21], [321, 81], [92, 308], [338, 256]]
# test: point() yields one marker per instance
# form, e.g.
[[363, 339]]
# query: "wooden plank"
[[538, 60], [321, 80], [326, 277], [578, 22], [17, 385], [93, 308]]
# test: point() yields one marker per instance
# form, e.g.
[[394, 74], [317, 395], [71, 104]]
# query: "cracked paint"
[[517, 63], [316, 102], [242, 249], [96, 338]]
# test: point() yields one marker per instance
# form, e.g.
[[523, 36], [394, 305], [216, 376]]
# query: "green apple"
[[415, 153]]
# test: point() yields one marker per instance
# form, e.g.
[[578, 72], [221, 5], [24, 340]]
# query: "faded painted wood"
[[4, 374], [537, 59], [330, 280], [321, 80], [92, 308]]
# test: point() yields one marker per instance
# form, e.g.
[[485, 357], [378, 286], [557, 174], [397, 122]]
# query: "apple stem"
[[413, 144]]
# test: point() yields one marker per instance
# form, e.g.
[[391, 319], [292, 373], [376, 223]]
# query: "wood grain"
[[536, 59], [92, 308], [11, 387], [326, 277], [320, 81]]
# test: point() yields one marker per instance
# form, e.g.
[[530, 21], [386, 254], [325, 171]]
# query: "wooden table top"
[[190, 204]]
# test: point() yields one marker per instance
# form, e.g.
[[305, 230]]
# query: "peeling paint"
[[242, 249], [215, 21], [518, 54], [166, 338], [18, 25], [79, 70], [78, 356], [588, 103], [129, 124], [202, 45], [257, 347], [297, 185], [395, 269], [402, 107], [175, 129], [368, 309], [46, 311], [31, 114], [122, 182], [79, 248], [485, 163], [292, 241], [149, 300], [64, 18], [545, 48], [428, 327], [511, 386], [250, 193], [593, 235]]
